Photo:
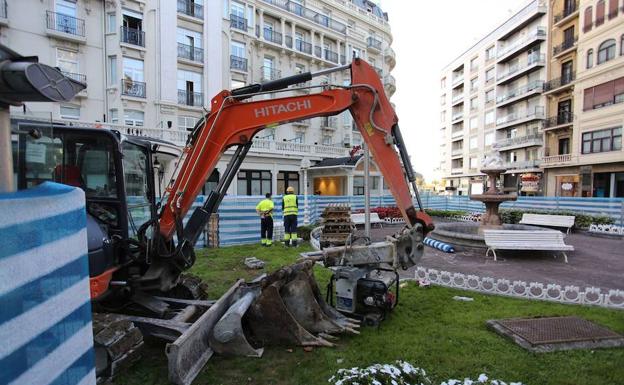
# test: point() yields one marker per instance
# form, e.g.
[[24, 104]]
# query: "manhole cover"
[[556, 333]]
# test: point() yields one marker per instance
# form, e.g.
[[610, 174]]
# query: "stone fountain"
[[469, 235]]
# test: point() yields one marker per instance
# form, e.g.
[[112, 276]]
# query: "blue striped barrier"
[[439, 245], [45, 322]]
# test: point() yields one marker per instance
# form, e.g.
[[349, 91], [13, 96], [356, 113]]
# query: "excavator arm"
[[234, 120]]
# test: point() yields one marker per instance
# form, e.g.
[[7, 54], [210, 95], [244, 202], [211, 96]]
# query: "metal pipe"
[[366, 190], [6, 152], [331, 70]]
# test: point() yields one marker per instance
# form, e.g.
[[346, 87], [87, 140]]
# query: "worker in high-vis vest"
[[265, 210], [290, 208]]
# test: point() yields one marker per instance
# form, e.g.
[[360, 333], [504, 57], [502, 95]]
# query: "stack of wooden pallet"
[[337, 225]]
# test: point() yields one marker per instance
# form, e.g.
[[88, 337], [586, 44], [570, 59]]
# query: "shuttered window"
[[600, 12], [587, 20], [613, 8], [604, 94], [588, 99]]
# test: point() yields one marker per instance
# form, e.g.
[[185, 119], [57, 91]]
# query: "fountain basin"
[[465, 236], [493, 197]]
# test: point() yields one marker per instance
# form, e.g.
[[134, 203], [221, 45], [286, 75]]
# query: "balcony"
[[390, 84], [457, 134], [77, 77], [566, 14], [270, 73], [520, 93], [510, 50], [330, 56], [65, 26], [309, 14], [303, 46], [132, 36], [523, 164], [561, 120], [302, 123], [566, 46], [514, 72], [379, 71], [373, 43], [457, 80], [188, 98], [270, 35], [280, 149], [329, 123], [457, 116], [560, 84], [238, 22], [556, 160], [190, 8], [191, 53], [133, 88], [457, 152], [457, 171], [520, 117], [457, 99], [390, 57], [519, 142], [238, 63]]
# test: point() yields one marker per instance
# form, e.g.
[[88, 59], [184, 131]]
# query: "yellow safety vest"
[[266, 206], [290, 204]]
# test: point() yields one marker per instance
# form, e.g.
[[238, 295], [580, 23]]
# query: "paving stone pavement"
[[597, 261]]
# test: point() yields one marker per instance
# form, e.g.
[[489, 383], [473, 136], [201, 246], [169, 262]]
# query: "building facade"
[[151, 67], [583, 136], [492, 100]]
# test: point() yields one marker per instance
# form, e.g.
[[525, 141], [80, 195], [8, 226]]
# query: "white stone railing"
[[299, 149], [532, 290], [557, 159]]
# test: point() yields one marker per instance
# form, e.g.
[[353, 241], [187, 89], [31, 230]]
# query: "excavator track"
[[189, 287], [337, 225], [118, 344]]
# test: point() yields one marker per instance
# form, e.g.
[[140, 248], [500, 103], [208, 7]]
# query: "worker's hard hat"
[[290, 189]]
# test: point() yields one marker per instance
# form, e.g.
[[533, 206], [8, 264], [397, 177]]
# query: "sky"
[[427, 35]]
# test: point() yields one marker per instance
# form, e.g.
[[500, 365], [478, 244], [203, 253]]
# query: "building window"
[[134, 118], [473, 103], [326, 140], [474, 143], [489, 75], [112, 70], [114, 116], [622, 45], [190, 88], [587, 21], [606, 51], [299, 138], [67, 61], [613, 8], [604, 94], [489, 138], [474, 162], [602, 140], [473, 64], [442, 116], [489, 53], [70, 112], [590, 58], [489, 117], [211, 183], [474, 122], [186, 122], [443, 99], [489, 96], [133, 69], [473, 84], [358, 184], [111, 23], [600, 12], [287, 179], [254, 182]]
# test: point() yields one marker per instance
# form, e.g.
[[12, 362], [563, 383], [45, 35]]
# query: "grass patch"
[[447, 338]]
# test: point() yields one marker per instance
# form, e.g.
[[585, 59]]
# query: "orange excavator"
[[140, 247]]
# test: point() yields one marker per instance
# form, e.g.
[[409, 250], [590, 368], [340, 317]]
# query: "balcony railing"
[[537, 112], [457, 151], [77, 77], [457, 133], [522, 164], [133, 88], [270, 73], [457, 170], [188, 52], [191, 8], [532, 139], [270, 35], [559, 82], [567, 11], [3, 9], [64, 23], [292, 148], [309, 14], [562, 158], [303, 46], [331, 56], [565, 45], [390, 81], [132, 36], [533, 59], [458, 79], [539, 32], [374, 43], [189, 98], [238, 22], [457, 116], [537, 85], [318, 51], [329, 122], [457, 98], [566, 117], [238, 63]]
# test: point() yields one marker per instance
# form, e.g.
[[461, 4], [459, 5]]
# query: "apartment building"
[[583, 135], [151, 67], [492, 101]]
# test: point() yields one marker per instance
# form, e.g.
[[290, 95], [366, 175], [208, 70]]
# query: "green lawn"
[[447, 338]]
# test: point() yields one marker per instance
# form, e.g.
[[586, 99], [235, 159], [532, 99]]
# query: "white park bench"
[[566, 221], [360, 219], [545, 240]]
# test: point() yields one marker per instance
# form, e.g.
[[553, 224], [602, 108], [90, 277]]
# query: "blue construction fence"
[[239, 223]]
